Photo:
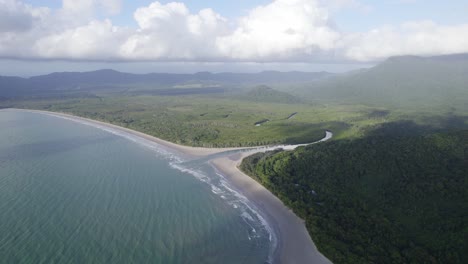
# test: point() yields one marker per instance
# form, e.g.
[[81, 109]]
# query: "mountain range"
[[399, 81], [108, 79]]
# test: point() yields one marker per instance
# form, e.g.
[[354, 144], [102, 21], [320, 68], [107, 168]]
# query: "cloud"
[[112, 7], [18, 17], [82, 6], [171, 32], [412, 38], [96, 41], [283, 30]]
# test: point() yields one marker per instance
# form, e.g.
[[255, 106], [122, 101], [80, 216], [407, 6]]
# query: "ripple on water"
[[69, 191]]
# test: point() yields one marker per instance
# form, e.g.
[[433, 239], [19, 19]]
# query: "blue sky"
[[241, 35], [227, 8], [366, 15]]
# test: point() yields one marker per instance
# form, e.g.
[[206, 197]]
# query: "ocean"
[[75, 192]]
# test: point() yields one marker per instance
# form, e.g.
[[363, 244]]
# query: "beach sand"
[[295, 246], [188, 151]]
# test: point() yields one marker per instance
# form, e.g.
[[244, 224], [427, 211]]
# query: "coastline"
[[294, 242], [295, 246], [195, 152]]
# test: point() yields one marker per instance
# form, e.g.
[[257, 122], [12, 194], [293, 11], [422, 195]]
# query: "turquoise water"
[[75, 193]]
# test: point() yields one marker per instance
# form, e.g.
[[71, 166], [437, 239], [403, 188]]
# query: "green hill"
[[383, 199], [400, 82]]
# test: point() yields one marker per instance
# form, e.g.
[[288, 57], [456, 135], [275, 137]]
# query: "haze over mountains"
[[399, 81], [396, 82], [105, 79]]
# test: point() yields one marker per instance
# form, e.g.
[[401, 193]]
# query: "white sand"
[[295, 244], [191, 151]]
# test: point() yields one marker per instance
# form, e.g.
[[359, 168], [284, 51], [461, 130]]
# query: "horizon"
[[354, 67], [175, 73], [39, 68], [188, 36]]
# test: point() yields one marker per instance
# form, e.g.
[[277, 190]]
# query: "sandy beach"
[[188, 151], [295, 246]]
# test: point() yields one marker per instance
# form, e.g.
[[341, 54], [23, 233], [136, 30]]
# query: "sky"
[[42, 36]]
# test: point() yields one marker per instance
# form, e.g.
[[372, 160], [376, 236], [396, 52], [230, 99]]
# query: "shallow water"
[[78, 193]]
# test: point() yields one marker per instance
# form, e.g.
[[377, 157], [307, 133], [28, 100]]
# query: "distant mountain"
[[453, 57], [264, 93], [9, 86], [266, 77], [400, 81], [108, 79]]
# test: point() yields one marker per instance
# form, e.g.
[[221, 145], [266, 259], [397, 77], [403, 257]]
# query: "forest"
[[390, 197], [224, 109]]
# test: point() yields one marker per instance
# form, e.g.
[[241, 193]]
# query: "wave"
[[249, 213], [158, 148]]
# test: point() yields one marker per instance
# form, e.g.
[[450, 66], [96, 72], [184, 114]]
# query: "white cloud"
[[112, 7], [81, 6], [96, 41], [16, 16], [284, 30], [412, 38], [281, 29], [171, 32]]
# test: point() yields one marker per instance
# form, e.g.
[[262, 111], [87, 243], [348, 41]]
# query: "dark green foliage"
[[386, 198]]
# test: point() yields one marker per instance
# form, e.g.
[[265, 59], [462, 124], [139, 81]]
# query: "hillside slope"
[[406, 82], [381, 199]]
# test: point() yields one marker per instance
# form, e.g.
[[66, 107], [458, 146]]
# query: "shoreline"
[[294, 244], [194, 152]]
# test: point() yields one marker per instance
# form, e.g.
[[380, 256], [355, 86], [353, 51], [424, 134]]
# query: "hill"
[[400, 82], [381, 199], [110, 80]]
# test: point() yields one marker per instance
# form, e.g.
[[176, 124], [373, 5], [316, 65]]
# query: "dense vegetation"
[[387, 198], [221, 121]]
